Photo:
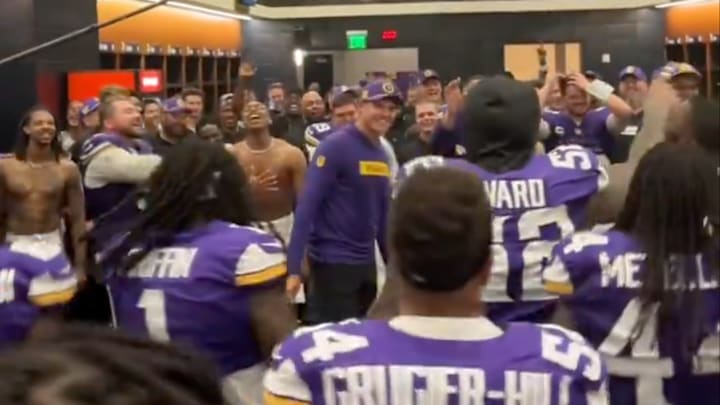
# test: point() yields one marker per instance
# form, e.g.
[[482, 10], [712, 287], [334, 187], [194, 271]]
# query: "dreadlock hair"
[[23, 139], [705, 123], [197, 181], [440, 228], [672, 211], [86, 365]]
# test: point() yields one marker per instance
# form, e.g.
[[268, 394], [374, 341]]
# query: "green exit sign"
[[356, 39]]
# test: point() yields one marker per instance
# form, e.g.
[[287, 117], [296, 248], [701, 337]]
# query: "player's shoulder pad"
[[314, 133], [558, 275], [313, 346], [259, 256], [568, 352], [99, 142]]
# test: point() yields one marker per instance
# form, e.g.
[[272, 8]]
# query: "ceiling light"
[[683, 3], [205, 10]]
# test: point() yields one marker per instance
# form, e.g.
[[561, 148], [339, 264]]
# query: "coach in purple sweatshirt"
[[342, 211]]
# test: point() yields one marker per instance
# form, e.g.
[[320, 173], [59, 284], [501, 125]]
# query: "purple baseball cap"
[[89, 106], [380, 90], [174, 105], [633, 71]]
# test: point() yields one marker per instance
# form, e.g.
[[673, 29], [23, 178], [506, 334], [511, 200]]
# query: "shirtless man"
[[276, 170], [38, 187]]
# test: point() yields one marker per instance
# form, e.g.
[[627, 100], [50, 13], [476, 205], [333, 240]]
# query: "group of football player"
[[516, 276]]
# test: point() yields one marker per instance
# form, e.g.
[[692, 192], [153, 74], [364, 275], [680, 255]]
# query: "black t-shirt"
[[160, 145]]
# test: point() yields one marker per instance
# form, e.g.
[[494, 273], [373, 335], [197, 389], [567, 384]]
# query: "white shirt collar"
[[445, 328]]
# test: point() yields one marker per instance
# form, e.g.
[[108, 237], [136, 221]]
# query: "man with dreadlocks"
[[441, 349], [195, 270], [646, 293], [537, 199], [38, 187]]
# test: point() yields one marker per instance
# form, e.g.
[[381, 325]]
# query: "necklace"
[[260, 151], [36, 165]]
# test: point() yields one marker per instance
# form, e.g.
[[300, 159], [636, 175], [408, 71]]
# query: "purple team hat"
[[174, 105], [428, 74], [381, 90], [89, 106], [633, 71], [674, 69]]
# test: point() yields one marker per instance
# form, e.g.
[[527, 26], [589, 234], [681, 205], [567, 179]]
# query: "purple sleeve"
[[443, 141], [320, 177], [382, 225]]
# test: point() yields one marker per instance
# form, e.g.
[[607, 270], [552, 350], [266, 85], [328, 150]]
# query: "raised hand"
[[247, 69]]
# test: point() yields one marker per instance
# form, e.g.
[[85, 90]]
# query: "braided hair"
[[672, 210], [86, 365], [196, 182]]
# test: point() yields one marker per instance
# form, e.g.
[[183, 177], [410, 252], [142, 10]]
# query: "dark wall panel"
[[461, 45], [270, 45]]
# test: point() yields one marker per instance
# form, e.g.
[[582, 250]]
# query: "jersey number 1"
[[153, 303]]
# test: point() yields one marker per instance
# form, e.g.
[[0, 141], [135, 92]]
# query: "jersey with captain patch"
[[534, 208], [34, 276], [393, 363], [599, 275], [197, 291]]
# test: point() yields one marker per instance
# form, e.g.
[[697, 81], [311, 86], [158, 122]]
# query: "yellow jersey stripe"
[[272, 399], [558, 288], [53, 298], [261, 276]]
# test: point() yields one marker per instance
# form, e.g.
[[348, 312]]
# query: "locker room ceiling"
[[296, 3]]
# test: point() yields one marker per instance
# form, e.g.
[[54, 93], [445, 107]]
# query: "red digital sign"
[[389, 35], [150, 81]]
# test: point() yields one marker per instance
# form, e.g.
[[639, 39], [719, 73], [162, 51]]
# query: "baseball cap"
[[674, 69], [634, 71], [89, 106], [428, 74], [174, 105], [381, 90]]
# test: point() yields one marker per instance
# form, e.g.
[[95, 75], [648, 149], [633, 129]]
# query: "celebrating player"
[[646, 292], [441, 349], [38, 187], [194, 270], [537, 199]]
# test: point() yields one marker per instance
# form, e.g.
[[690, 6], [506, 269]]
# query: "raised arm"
[[245, 74], [606, 204]]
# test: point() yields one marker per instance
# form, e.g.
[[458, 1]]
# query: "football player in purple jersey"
[[441, 349], [81, 365], [36, 280], [646, 293], [195, 270], [499, 129]]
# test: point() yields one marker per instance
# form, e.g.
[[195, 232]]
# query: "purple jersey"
[[599, 276], [99, 199], [315, 133], [450, 361], [591, 132], [34, 275], [197, 291], [534, 208]]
